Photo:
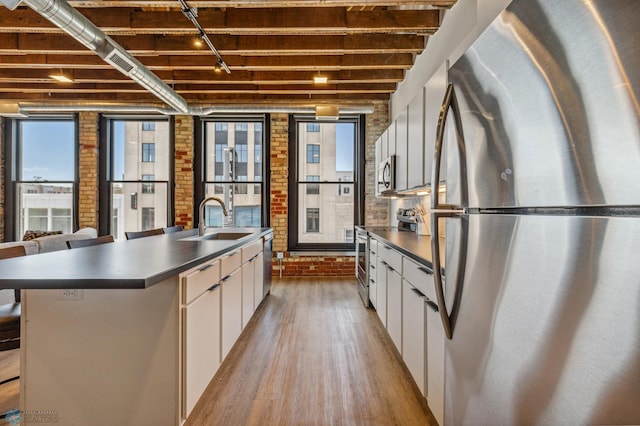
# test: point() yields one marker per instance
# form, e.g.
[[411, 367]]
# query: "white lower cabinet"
[[414, 334], [381, 290], [435, 364], [258, 280], [201, 345], [231, 310], [394, 307], [248, 297]]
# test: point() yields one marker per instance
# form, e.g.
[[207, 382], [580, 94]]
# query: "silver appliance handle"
[[386, 175], [438, 210]]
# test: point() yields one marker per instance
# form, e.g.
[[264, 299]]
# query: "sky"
[[345, 134], [47, 150]]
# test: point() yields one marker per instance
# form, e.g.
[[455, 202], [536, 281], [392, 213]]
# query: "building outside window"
[[313, 153], [313, 189], [325, 186], [233, 154], [139, 176], [148, 188], [313, 220], [148, 218], [42, 162], [148, 152]]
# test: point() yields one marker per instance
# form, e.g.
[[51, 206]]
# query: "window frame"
[[295, 179], [201, 155], [106, 169], [12, 178]]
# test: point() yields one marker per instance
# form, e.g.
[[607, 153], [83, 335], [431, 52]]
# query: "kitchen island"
[[115, 333]]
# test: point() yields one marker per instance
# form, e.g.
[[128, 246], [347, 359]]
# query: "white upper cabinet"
[[415, 142], [402, 158], [433, 95]]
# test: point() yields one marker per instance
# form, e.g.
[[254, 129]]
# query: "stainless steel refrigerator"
[[539, 148]]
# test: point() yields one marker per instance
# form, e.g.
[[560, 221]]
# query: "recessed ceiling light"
[[62, 78], [319, 79], [197, 42]]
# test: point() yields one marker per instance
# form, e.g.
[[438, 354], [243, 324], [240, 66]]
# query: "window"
[[41, 161], [326, 186], [313, 220], [136, 185], [313, 153], [148, 152], [148, 188], [237, 177], [148, 126], [313, 189], [313, 127], [148, 218]]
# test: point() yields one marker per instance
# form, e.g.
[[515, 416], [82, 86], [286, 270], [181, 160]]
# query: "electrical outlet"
[[71, 294], [279, 255]]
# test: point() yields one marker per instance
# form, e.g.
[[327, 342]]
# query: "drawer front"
[[418, 276], [373, 245], [391, 257], [199, 280], [251, 250], [230, 263]]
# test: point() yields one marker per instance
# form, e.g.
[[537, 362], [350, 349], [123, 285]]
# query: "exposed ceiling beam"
[[240, 21]]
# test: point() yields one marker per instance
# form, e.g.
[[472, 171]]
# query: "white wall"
[[461, 25]]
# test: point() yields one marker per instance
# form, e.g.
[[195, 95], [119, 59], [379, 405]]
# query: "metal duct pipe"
[[68, 19], [196, 111]]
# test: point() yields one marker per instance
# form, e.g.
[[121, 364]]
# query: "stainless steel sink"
[[218, 236]]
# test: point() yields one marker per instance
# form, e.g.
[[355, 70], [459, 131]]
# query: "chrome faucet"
[[201, 213]]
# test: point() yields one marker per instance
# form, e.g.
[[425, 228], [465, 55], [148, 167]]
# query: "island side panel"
[[110, 358]]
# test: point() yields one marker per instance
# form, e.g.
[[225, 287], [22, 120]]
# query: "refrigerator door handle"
[[438, 210]]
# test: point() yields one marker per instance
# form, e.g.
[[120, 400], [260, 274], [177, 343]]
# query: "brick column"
[[184, 136], [88, 170], [376, 210], [279, 181]]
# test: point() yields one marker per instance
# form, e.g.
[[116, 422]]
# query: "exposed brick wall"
[[376, 209], [88, 170], [1, 179], [184, 136], [279, 181]]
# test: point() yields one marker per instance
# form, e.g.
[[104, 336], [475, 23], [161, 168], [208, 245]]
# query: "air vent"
[[120, 62]]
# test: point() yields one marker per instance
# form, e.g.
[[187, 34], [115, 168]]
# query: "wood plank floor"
[[9, 392], [313, 355]]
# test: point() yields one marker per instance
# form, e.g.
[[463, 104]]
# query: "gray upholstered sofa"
[[43, 245], [52, 242]]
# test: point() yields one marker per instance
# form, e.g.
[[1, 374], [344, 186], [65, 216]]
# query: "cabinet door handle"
[[372, 280], [213, 287], [418, 292], [233, 254], [372, 266], [426, 271], [204, 268], [225, 278], [432, 305]]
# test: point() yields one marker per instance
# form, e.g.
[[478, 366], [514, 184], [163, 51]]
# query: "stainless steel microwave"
[[386, 182]]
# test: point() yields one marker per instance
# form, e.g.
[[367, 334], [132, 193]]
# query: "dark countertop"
[[132, 264], [410, 244]]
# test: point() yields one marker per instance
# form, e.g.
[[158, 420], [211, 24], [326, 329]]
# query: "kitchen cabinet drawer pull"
[[204, 268], [426, 271], [372, 280], [418, 292], [432, 305], [233, 253], [372, 266], [225, 278], [213, 287]]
